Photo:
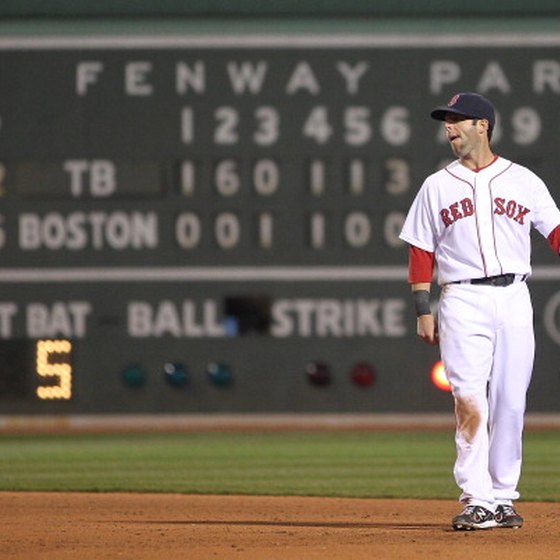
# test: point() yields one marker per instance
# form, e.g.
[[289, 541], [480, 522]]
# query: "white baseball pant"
[[487, 346]]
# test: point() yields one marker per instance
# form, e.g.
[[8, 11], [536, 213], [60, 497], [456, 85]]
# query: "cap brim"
[[439, 113]]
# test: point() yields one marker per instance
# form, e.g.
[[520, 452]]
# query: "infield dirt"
[[84, 526]]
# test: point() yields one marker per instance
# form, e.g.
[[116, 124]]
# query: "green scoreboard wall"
[[209, 222]]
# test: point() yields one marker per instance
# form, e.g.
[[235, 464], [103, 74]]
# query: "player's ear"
[[484, 125]]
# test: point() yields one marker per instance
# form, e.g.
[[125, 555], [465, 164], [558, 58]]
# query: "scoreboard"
[[199, 223]]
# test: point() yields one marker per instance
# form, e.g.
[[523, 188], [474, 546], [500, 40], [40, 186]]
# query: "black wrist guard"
[[422, 302]]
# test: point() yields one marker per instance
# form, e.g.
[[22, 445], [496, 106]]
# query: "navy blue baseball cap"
[[468, 104]]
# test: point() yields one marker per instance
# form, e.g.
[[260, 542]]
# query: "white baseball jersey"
[[478, 223]]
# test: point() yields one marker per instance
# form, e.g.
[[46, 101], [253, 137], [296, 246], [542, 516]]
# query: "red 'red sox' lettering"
[[511, 209], [464, 208]]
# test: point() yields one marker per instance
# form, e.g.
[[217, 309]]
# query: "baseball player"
[[473, 219]]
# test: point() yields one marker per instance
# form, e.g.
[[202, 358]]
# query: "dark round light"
[[176, 374], [133, 375], [363, 374], [318, 374], [219, 374]]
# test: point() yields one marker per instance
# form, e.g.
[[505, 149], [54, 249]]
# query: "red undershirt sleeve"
[[554, 239], [421, 264]]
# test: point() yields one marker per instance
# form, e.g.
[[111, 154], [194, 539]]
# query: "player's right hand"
[[426, 329]]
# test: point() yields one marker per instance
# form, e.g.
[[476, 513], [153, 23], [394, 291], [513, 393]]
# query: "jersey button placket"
[[483, 205]]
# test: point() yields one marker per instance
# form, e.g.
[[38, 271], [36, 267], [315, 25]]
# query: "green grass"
[[350, 464]]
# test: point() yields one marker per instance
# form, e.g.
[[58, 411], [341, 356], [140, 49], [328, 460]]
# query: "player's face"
[[465, 135]]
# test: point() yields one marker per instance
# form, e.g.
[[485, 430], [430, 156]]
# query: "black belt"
[[500, 280]]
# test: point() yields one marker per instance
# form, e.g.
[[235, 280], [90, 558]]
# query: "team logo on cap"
[[453, 100]]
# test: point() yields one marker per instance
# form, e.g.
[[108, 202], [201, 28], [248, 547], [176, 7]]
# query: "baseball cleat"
[[507, 517], [474, 517]]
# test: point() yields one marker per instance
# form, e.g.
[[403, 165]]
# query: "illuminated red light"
[[439, 377], [363, 374]]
